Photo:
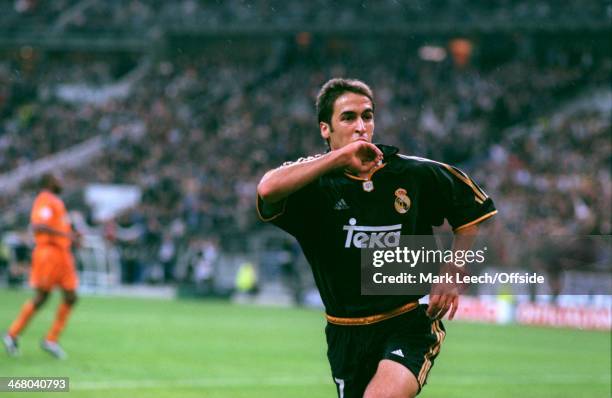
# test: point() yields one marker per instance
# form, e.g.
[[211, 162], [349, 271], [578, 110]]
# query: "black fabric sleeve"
[[295, 214], [456, 197]]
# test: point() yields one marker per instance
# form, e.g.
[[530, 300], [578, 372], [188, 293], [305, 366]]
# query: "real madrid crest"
[[402, 201], [368, 186]]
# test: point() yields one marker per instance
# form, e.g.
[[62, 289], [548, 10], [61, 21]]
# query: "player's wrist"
[[338, 159]]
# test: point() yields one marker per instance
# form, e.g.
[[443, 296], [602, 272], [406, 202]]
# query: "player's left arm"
[[445, 297], [458, 199]]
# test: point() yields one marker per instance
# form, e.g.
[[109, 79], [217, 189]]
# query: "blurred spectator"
[[195, 132]]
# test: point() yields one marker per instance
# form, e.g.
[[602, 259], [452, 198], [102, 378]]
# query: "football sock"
[[60, 321], [22, 320]]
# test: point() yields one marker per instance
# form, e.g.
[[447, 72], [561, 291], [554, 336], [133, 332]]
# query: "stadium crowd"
[[196, 133], [97, 15]]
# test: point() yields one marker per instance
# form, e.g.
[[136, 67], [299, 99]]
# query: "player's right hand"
[[361, 156], [445, 296]]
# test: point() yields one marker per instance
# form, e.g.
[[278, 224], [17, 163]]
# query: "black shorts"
[[411, 339]]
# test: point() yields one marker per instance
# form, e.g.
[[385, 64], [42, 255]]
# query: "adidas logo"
[[341, 205], [398, 352]]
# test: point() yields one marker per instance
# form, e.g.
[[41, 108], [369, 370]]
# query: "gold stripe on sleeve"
[[264, 219], [476, 221], [479, 192]]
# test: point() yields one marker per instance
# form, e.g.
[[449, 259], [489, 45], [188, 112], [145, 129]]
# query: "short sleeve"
[[295, 214], [43, 212], [457, 197]]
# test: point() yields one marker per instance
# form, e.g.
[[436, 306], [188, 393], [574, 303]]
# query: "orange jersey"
[[49, 210]]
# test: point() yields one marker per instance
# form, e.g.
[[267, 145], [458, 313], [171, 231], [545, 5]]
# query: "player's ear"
[[325, 130]]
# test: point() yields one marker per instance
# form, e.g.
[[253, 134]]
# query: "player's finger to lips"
[[372, 147], [367, 165]]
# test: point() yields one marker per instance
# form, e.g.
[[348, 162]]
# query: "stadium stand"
[[196, 120]]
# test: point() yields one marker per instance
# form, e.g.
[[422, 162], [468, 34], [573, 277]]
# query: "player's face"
[[56, 185], [352, 120]]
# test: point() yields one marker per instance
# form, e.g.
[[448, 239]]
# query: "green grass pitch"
[[122, 347]]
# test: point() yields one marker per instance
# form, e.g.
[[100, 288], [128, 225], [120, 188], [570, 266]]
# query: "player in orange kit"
[[52, 265]]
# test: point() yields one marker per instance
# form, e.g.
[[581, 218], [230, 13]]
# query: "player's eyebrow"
[[353, 113]]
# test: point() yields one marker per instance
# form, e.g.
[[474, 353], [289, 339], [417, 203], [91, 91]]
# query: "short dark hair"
[[333, 89], [46, 181]]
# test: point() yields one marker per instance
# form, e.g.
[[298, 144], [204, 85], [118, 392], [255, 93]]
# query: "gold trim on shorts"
[[368, 320]]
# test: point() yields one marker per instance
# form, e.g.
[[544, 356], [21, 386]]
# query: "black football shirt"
[[338, 214]]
